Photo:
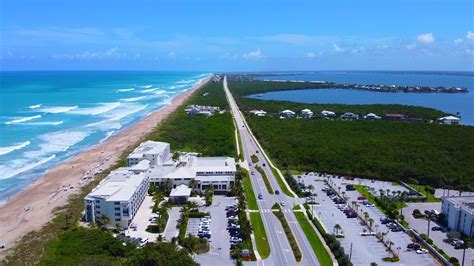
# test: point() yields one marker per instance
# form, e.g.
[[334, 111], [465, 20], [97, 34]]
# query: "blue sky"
[[237, 35]]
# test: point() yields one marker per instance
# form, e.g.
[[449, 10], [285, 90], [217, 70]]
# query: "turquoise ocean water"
[[46, 117]]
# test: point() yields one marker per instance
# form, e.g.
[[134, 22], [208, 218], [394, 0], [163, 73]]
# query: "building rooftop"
[[119, 185], [463, 202], [215, 164], [149, 147], [180, 191]]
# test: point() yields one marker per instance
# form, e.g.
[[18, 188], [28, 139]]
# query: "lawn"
[[249, 194], [260, 235], [423, 190], [254, 158], [318, 246], [280, 182]]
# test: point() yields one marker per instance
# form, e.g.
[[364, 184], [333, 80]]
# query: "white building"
[[459, 213], [449, 120], [258, 112], [218, 172], [180, 193], [306, 113], [371, 116], [155, 152], [328, 114], [287, 114], [117, 197]]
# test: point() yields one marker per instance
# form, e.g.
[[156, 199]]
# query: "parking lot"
[[141, 221], [365, 248], [439, 237], [220, 238]]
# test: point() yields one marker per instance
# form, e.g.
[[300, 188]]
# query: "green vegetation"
[[260, 235], [208, 194], [249, 194], [427, 154], [281, 184], [417, 214], [254, 158], [318, 247], [289, 234], [211, 136], [239, 191], [427, 191], [265, 179], [296, 208], [195, 244], [391, 259], [239, 141], [198, 214], [384, 203], [81, 246]]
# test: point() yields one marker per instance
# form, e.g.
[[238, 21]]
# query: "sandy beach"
[[32, 208]]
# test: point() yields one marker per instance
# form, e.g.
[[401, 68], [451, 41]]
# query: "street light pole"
[[429, 221], [350, 253]]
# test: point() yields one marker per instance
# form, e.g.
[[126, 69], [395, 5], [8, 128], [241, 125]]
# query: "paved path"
[[171, 230], [281, 253]]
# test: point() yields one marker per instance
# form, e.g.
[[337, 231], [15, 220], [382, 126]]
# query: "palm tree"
[[337, 227], [192, 205], [366, 216], [311, 188], [371, 222], [167, 186], [403, 196], [192, 184]]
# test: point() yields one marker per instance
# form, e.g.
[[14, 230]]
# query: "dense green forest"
[[423, 153], [211, 136]]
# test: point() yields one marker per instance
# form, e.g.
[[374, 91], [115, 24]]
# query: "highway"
[[281, 253]]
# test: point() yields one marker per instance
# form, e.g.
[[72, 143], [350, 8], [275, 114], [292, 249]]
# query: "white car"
[[421, 251], [282, 203]]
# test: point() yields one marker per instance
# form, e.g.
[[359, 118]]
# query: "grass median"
[[289, 234], [281, 183], [265, 180], [318, 247], [261, 239]]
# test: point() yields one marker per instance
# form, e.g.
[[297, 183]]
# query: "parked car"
[[277, 192], [421, 251], [413, 246], [361, 198], [282, 203], [437, 228]]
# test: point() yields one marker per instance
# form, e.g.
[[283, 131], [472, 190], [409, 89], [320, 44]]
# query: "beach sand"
[[32, 208]]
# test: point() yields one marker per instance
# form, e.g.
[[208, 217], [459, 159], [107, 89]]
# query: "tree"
[[311, 188], [167, 186], [371, 222], [192, 184], [453, 235]]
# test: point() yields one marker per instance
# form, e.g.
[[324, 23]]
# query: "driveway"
[[171, 230]]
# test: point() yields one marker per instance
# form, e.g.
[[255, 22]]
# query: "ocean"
[[48, 116], [447, 102]]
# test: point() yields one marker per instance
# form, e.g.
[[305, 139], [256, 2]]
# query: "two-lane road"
[[281, 253]]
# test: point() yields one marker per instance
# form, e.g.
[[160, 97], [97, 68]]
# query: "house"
[[349, 116], [328, 114], [395, 117], [459, 213], [117, 198], [258, 112], [306, 113], [287, 114], [371, 116], [180, 194], [449, 120], [202, 110]]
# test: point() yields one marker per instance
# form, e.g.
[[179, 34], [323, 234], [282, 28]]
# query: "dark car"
[[397, 229], [413, 246], [256, 151], [436, 228], [277, 192], [263, 165], [260, 196], [386, 220], [351, 215]]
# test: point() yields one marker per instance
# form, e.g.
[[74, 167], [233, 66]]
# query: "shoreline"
[[33, 207]]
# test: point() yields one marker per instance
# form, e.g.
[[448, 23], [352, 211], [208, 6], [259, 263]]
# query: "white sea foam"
[[35, 106], [58, 109], [160, 92], [133, 99], [125, 90], [186, 81], [52, 123], [149, 90], [58, 141], [24, 119], [103, 108], [146, 86], [125, 111], [16, 146], [11, 170], [109, 134]]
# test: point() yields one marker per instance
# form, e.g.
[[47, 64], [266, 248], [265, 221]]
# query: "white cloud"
[[470, 35], [458, 40], [253, 55], [312, 55], [337, 49], [112, 53], [426, 38], [172, 55], [411, 46]]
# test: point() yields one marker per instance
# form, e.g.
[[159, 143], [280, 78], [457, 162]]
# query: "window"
[[117, 214], [118, 219], [117, 208], [117, 203]]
